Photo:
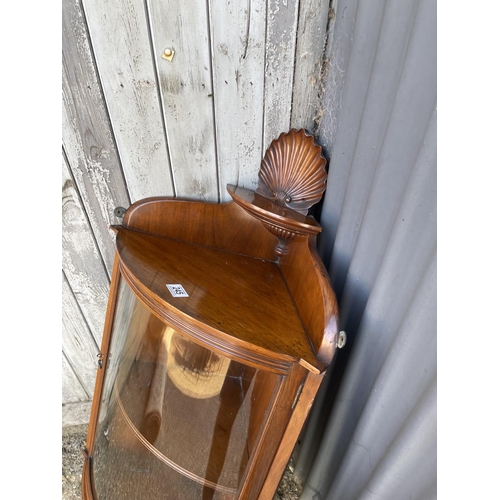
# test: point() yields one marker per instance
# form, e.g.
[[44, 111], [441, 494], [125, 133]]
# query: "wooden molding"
[[280, 221]]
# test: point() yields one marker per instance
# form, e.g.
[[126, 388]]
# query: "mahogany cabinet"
[[220, 325]]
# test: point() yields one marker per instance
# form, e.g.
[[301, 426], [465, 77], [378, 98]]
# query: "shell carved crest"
[[292, 172]]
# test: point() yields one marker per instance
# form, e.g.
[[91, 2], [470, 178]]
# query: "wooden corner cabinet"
[[220, 325]]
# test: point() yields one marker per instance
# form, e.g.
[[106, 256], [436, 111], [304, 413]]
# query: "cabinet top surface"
[[242, 297]]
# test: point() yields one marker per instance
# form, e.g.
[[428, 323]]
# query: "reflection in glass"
[[175, 416]]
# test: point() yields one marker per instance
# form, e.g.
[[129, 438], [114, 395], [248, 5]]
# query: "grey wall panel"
[[408, 469], [371, 433], [387, 390]]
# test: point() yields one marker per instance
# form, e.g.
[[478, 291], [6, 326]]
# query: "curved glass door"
[[176, 420]]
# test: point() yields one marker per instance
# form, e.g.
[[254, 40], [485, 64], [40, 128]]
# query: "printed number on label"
[[177, 290]]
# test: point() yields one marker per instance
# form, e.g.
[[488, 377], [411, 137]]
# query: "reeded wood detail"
[[280, 221], [283, 235], [292, 172]]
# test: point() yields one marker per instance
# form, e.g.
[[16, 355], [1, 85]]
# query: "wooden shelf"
[[244, 299]]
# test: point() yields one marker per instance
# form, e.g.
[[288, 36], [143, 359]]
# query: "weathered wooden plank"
[[87, 134], [72, 390], [238, 34], [78, 345], [120, 39], [187, 94], [81, 260], [282, 18], [314, 16], [75, 414], [338, 50]]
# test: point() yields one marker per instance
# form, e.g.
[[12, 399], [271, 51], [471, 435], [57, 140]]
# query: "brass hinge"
[[299, 391]]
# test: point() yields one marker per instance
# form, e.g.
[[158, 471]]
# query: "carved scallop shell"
[[292, 172]]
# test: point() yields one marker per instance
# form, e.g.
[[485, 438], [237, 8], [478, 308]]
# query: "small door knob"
[[341, 340]]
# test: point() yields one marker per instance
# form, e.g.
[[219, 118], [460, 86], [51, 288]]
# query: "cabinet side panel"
[[310, 287]]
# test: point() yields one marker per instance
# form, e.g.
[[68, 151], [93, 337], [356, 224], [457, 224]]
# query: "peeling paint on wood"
[[78, 345], [121, 45], [311, 41], [81, 259], [87, 135], [72, 390], [238, 61], [280, 61], [186, 86], [76, 413]]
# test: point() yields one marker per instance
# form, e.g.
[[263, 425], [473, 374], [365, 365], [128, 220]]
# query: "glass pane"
[[175, 417]]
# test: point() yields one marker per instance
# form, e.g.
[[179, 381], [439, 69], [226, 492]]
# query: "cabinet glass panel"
[[174, 413]]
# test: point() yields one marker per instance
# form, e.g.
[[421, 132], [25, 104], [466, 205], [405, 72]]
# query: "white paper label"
[[177, 290]]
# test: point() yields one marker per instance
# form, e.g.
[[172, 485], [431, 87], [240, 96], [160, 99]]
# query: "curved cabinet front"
[[220, 326], [176, 419]]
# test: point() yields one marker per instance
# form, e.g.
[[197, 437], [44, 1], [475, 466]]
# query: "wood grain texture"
[[309, 284], [81, 259], [282, 18], [187, 95], [120, 40], [314, 16], [195, 222], [272, 434], [230, 298], [292, 172], [76, 413], [266, 210], [238, 54], [287, 444], [280, 221], [79, 347], [72, 389], [86, 132]]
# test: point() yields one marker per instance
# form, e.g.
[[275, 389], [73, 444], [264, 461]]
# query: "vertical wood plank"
[[314, 16], [81, 260], [187, 94], [238, 38], [78, 345], [87, 134], [120, 39], [72, 390], [280, 60]]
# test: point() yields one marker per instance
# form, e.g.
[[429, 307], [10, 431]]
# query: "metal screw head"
[[341, 340], [168, 54], [119, 212]]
